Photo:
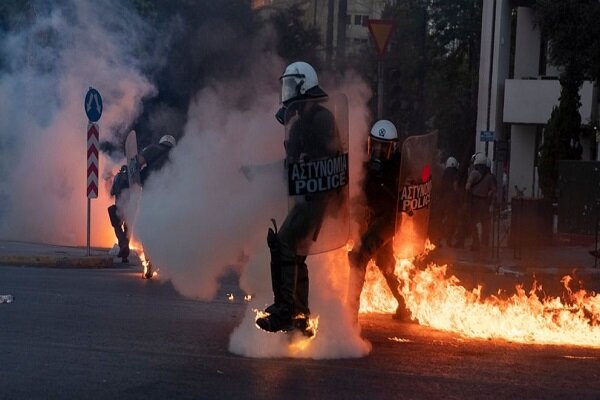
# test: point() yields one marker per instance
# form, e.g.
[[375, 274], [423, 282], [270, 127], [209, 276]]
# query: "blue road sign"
[[487, 136], [93, 105]]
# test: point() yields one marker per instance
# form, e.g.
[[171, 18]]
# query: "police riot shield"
[[317, 169], [414, 195]]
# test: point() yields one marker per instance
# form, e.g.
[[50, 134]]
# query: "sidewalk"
[[552, 260], [52, 256]]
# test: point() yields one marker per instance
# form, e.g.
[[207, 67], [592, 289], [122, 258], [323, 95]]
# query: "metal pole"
[[491, 71], [380, 89], [597, 201], [597, 148], [88, 225], [596, 242], [340, 54], [498, 210], [329, 34]]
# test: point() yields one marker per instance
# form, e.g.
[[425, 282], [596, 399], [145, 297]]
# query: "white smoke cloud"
[[65, 48], [198, 217], [200, 213]]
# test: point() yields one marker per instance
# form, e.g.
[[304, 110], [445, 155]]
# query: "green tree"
[[455, 34], [296, 40], [573, 34], [405, 66], [560, 143], [432, 70]]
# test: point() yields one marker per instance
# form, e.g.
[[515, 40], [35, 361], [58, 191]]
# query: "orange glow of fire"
[[439, 301], [139, 250]]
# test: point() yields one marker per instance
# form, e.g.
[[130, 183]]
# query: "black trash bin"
[[531, 222]]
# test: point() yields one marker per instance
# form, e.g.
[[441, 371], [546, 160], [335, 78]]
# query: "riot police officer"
[[312, 136], [450, 198], [115, 212], [481, 189], [381, 191], [153, 157]]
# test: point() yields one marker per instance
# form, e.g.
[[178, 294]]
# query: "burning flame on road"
[[139, 250], [439, 301]]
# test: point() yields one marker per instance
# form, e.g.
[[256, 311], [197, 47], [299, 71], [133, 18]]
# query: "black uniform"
[[381, 190], [481, 187], [120, 183], [450, 198], [155, 156], [312, 136]]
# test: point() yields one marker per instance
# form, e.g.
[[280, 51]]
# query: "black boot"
[[275, 248], [402, 313], [275, 322], [281, 317], [124, 250], [147, 274], [302, 286], [302, 323], [356, 280]]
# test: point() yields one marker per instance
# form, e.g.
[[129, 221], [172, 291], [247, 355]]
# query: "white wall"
[[530, 101], [522, 158], [527, 45], [491, 85]]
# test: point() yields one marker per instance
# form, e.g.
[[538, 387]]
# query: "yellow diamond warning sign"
[[381, 32]]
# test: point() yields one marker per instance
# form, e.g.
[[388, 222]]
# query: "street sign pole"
[[380, 89], [381, 31], [89, 221], [92, 173], [93, 109]]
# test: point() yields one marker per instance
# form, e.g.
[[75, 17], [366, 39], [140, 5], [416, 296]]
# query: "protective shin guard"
[[275, 248], [302, 284], [280, 316], [289, 277], [356, 280], [115, 221]]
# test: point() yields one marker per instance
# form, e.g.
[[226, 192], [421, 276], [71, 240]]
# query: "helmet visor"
[[380, 150], [290, 87]]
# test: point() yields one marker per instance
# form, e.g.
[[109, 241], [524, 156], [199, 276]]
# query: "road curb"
[[593, 273], [58, 261]]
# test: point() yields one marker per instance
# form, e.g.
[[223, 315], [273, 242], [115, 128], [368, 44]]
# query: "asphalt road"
[[108, 334]]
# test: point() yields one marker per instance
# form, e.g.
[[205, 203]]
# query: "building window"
[[361, 20]]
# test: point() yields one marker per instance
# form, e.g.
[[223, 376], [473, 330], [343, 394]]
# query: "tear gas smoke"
[[51, 60], [200, 213]]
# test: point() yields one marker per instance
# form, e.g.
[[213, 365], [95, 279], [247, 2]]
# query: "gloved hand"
[[134, 170]]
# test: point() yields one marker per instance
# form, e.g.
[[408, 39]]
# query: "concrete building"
[[327, 15], [516, 105]]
